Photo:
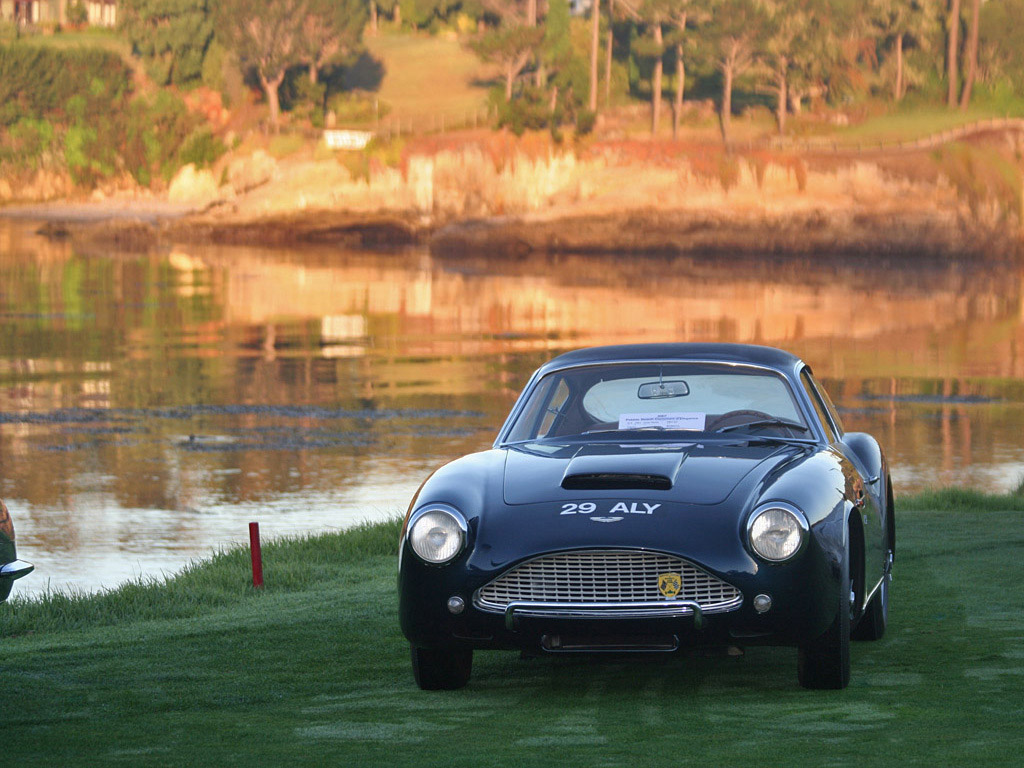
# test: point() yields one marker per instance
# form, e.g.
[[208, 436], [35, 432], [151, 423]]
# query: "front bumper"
[[666, 609], [9, 573], [15, 570], [802, 594]]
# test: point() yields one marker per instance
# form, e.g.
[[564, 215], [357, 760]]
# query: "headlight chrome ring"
[[437, 533], [777, 531]]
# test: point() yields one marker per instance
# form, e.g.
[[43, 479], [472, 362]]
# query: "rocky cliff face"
[[640, 196], [614, 198], [36, 187]]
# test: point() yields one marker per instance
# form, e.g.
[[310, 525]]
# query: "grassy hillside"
[[92, 37], [426, 77], [313, 671]]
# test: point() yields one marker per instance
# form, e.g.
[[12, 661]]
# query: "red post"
[[257, 555]]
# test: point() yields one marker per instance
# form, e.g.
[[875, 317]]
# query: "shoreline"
[[478, 199], [852, 234], [860, 234]]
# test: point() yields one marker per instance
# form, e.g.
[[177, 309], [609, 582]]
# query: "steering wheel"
[[737, 417]]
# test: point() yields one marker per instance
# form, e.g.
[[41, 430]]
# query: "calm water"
[[152, 405]]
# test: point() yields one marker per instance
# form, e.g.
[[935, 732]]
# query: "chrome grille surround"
[[618, 579]]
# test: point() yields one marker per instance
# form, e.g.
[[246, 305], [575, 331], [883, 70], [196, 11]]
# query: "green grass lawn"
[[909, 125], [313, 671], [92, 37], [426, 77]]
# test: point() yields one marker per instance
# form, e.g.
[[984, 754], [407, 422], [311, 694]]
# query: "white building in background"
[[100, 13]]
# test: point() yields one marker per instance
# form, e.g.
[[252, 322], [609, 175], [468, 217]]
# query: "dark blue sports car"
[[11, 567], [650, 498]]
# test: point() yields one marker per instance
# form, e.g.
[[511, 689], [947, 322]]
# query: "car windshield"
[[646, 399]]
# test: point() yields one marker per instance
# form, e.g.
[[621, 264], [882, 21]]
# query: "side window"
[[819, 406], [554, 408], [832, 411], [527, 423]]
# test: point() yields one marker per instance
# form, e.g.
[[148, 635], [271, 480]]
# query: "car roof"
[[750, 354]]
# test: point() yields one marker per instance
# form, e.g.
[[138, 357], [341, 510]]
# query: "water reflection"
[[150, 405]]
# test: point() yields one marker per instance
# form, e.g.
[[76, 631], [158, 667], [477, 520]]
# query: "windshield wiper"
[[765, 423]]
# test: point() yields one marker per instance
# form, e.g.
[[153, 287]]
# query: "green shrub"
[[76, 106], [356, 108], [585, 122], [982, 176], [529, 112], [38, 81], [77, 14], [357, 164], [202, 149], [27, 144], [388, 152], [306, 100], [69, 102], [156, 128], [213, 67], [170, 36], [78, 142]]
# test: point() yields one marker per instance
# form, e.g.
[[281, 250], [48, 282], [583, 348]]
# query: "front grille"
[[604, 576]]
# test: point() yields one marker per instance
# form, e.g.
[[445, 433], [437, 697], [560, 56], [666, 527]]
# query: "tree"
[[845, 50], [421, 13], [267, 37], [510, 48], [513, 12], [1002, 38], [170, 35], [330, 27], [608, 51], [972, 55], [903, 23], [652, 14], [952, 51], [595, 49], [375, 8], [803, 49], [556, 49], [616, 9], [789, 20], [734, 30], [679, 14]]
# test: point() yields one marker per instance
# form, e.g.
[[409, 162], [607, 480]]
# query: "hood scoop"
[[647, 471], [608, 481]]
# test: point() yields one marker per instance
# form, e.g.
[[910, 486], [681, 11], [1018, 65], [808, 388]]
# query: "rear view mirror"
[[656, 390]]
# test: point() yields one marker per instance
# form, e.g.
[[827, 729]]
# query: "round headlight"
[[437, 535], [777, 531]]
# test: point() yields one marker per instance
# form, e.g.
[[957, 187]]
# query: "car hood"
[[687, 473]]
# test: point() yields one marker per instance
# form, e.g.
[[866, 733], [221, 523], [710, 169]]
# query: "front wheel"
[[876, 616], [824, 663], [441, 669]]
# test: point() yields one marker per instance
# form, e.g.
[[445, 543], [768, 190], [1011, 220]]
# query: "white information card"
[[691, 421]]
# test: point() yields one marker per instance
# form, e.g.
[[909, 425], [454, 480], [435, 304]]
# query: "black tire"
[[443, 669], [824, 663], [876, 616]]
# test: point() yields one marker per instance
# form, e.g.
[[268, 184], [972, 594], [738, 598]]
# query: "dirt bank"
[[648, 197], [860, 234], [846, 232]]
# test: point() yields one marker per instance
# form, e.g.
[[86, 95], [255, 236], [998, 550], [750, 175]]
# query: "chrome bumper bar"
[[662, 609], [15, 569]]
